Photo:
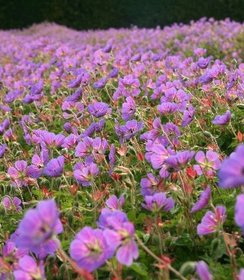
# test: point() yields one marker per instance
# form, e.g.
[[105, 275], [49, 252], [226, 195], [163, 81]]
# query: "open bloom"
[[150, 185], [28, 269], [203, 271], [121, 239], [55, 167], [98, 109], [212, 221], [10, 256], [222, 119], [85, 172], [129, 130], [239, 211], [231, 173], [36, 168], [207, 164], [158, 202], [38, 229], [115, 203], [128, 108], [108, 216], [241, 275], [18, 173], [90, 249], [179, 160]]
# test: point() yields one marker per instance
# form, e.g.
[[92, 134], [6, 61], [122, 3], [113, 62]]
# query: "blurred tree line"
[[94, 14]]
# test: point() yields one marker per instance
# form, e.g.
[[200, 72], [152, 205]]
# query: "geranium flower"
[[38, 229], [28, 269], [128, 108], [212, 221], [55, 167], [231, 173], [203, 271], [158, 202], [12, 204], [222, 119], [202, 201], [207, 163], [84, 172], [19, 173], [90, 249], [239, 211], [120, 237], [115, 203], [98, 109]]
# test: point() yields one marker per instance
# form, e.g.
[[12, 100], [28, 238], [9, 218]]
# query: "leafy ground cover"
[[121, 152]]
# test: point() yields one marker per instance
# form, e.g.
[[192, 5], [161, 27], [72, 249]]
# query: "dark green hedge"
[[93, 14]]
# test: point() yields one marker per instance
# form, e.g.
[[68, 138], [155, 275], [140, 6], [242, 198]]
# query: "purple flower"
[[3, 148], [149, 185], [98, 109], [84, 172], [99, 146], [188, 116], [84, 147], [12, 204], [212, 221], [90, 249], [70, 141], [120, 238], [47, 138], [222, 119], [127, 131], [179, 160], [241, 275], [200, 51], [239, 211], [158, 202], [4, 125], [36, 168], [128, 108], [167, 108], [10, 253], [38, 229], [202, 201], [76, 82], [94, 127], [203, 271], [18, 173], [206, 78], [157, 155], [203, 62], [10, 256], [108, 216], [112, 157], [28, 269], [207, 163], [55, 167], [115, 203], [74, 97], [114, 73], [101, 83], [231, 173]]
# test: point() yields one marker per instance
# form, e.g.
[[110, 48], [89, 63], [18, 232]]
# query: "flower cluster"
[[117, 149]]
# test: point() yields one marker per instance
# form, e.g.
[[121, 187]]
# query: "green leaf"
[[139, 269]]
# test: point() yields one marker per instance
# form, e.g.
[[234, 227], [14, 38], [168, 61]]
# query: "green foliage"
[[86, 14]]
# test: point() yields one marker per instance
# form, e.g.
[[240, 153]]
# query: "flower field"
[[122, 153]]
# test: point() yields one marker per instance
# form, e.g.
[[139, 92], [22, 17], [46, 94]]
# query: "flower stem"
[[146, 249], [85, 275]]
